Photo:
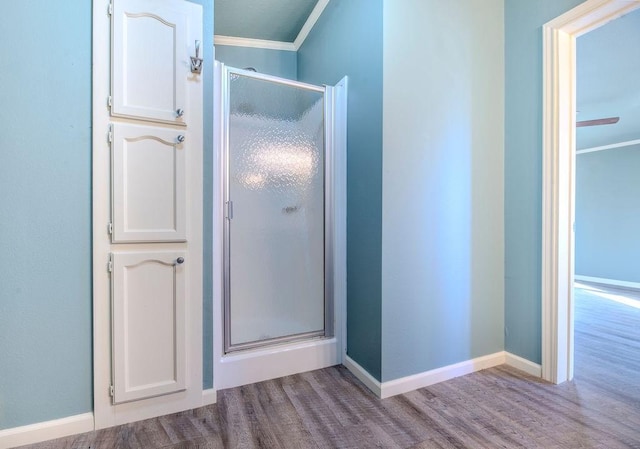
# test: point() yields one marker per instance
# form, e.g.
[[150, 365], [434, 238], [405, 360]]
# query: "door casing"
[[558, 177]]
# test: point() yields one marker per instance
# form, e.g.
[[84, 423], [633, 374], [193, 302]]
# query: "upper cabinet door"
[[148, 183], [149, 60]]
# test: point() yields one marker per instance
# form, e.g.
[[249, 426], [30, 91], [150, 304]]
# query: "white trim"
[[613, 282], [253, 43], [218, 175], [557, 202], [209, 397], [609, 147], [310, 23], [251, 366], [100, 209], [421, 380], [590, 15], [525, 365], [232, 41], [558, 181], [340, 102], [410, 383], [363, 375], [48, 430]]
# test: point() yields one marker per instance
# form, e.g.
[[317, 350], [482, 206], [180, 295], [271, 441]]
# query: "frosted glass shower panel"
[[276, 234]]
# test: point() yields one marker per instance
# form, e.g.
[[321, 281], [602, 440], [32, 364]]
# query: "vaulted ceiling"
[[275, 20], [608, 82]]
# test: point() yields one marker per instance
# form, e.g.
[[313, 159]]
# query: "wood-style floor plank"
[[496, 408]]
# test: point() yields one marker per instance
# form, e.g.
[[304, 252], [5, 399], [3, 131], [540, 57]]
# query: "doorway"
[[558, 196]]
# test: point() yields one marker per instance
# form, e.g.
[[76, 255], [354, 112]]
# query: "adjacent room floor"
[[498, 407]]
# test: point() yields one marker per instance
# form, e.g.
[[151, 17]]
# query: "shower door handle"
[[229, 211]]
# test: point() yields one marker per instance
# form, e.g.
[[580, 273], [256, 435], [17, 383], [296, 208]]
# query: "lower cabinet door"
[[148, 324]]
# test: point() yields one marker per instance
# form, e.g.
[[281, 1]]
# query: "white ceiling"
[[275, 20], [608, 82]]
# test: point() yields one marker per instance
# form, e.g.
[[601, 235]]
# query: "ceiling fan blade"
[[599, 121]]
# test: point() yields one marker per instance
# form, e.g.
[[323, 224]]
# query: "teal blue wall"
[[45, 178], [442, 214], [45, 211], [45, 229], [523, 171], [207, 238], [608, 214], [347, 40], [607, 67], [272, 62]]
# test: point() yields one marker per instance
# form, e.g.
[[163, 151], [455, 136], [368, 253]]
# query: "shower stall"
[[279, 225]]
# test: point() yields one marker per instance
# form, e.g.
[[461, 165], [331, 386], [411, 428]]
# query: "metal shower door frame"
[[328, 180]]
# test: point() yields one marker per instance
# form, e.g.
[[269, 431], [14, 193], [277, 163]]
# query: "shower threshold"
[[277, 341]]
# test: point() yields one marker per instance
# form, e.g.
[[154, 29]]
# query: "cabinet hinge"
[[110, 134], [110, 228], [110, 9], [109, 101], [111, 393], [110, 264]]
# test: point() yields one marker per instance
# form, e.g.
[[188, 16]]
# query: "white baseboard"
[[209, 397], [614, 282], [421, 380], [59, 428], [523, 364], [48, 430], [362, 375], [405, 384]]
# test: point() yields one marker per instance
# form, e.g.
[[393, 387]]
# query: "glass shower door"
[[275, 203]]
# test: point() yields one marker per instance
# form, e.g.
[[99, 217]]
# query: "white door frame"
[[558, 178]]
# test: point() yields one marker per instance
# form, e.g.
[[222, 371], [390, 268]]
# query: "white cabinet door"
[[149, 60], [148, 184], [149, 326]]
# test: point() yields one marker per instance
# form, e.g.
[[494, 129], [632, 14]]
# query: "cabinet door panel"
[[148, 324], [149, 60], [149, 184]]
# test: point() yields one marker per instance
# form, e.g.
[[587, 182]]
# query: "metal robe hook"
[[196, 62]]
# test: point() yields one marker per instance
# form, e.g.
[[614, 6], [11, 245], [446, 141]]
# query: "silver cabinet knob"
[[180, 260], [179, 112], [180, 138]]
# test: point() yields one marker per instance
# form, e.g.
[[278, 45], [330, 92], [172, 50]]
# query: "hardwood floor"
[[496, 408]]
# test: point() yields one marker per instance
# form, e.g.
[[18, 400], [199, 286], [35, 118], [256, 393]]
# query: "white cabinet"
[[149, 60], [148, 183], [147, 209], [148, 323]]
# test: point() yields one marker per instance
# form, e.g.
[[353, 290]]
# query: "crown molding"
[[253, 43], [310, 23], [276, 45]]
